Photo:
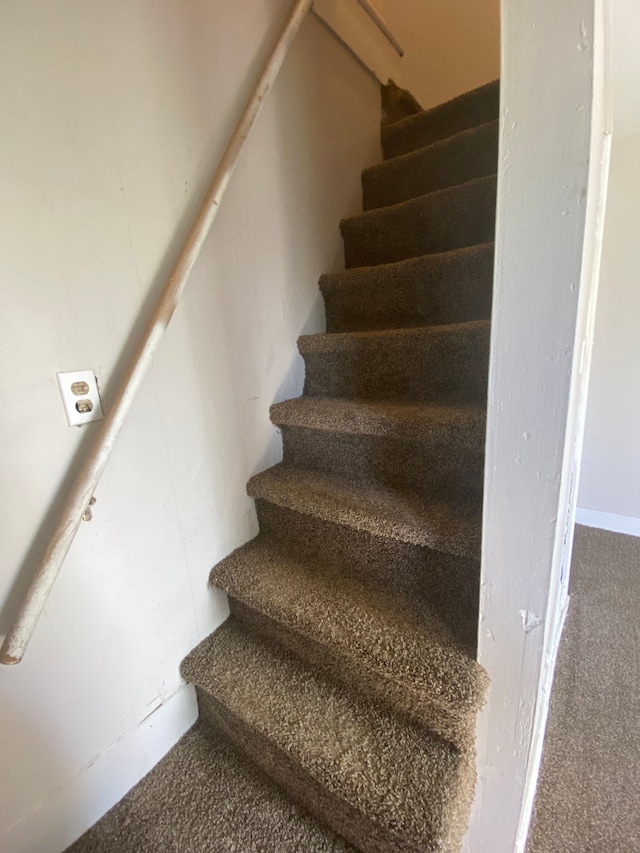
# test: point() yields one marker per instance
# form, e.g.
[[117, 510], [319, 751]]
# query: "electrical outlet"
[[80, 397]]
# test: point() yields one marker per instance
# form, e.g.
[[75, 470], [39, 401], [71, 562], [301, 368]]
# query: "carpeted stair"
[[338, 701]]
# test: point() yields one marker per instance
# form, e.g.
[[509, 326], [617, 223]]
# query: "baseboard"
[[53, 825], [608, 521]]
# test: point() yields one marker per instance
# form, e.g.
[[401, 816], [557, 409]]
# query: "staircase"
[[345, 680]]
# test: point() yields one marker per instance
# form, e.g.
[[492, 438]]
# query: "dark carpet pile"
[[587, 798]]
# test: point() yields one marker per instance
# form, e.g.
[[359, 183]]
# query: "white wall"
[[625, 70], [113, 115], [610, 480], [451, 45], [359, 34], [553, 159]]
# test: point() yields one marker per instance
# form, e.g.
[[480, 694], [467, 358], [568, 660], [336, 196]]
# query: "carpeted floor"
[[588, 798], [203, 797]]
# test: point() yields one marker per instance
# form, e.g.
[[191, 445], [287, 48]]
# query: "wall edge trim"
[[615, 522]]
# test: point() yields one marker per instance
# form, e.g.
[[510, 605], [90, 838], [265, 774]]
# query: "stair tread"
[[371, 508], [464, 156], [407, 265], [445, 363], [442, 287], [325, 341], [414, 157], [469, 109], [390, 771], [378, 629], [442, 220], [460, 425], [446, 105], [411, 204]]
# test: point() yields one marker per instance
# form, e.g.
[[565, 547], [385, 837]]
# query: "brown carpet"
[[588, 798], [204, 797], [346, 673], [424, 128]]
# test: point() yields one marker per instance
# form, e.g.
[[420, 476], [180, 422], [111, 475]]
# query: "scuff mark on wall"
[[530, 620]]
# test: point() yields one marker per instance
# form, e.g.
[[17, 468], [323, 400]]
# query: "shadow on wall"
[[256, 286]]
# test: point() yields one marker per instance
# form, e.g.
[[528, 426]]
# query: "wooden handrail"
[[84, 485]]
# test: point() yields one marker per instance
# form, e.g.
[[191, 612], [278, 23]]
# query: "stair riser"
[[429, 291], [439, 472], [450, 219], [462, 158], [426, 128], [430, 582], [300, 785], [448, 366], [448, 722]]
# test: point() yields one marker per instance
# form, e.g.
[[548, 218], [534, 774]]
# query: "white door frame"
[[552, 177]]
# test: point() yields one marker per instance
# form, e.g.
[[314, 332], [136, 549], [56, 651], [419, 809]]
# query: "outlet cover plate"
[[80, 397]]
